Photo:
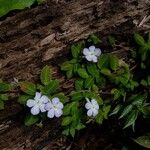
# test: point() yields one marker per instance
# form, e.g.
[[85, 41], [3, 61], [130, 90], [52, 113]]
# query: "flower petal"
[[95, 112], [44, 99], [94, 58], [89, 57], [97, 51], [92, 48], [42, 108], [50, 113], [60, 105], [48, 106], [88, 105], [86, 51], [37, 96], [55, 100], [35, 110], [58, 113], [30, 103], [89, 112]]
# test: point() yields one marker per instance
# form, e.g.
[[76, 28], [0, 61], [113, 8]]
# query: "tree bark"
[[42, 35]]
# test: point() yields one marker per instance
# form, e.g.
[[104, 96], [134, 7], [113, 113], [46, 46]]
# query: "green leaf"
[[116, 110], [4, 87], [23, 99], [31, 120], [139, 39], [143, 82], [106, 110], [28, 87], [76, 96], [131, 118], [72, 132], [66, 66], [126, 111], [106, 72], [94, 39], [143, 141], [8, 5], [80, 126], [62, 97], [1, 105], [69, 74], [79, 84], [93, 70], [89, 82], [51, 87], [99, 118], [103, 61], [82, 73], [75, 50], [111, 40], [45, 75], [3, 97], [66, 132], [114, 62], [66, 121]]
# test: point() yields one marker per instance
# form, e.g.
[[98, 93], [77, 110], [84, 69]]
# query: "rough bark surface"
[[42, 34]]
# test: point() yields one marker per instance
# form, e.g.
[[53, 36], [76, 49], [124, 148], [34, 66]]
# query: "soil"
[[31, 38]]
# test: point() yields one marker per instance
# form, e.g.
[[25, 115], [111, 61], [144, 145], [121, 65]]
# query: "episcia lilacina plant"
[[43, 100]]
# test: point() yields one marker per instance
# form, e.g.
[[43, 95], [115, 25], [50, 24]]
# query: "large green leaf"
[[143, 141], [31, 120], [28, 87], [8, 5], [126, 111], [82, 73]]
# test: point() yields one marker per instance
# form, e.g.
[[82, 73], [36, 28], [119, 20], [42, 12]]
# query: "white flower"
[[92, 53], [92, 107], [37, 104], [54, 108]]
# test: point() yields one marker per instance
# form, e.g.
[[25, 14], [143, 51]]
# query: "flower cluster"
[[42, 103], [92, 53]]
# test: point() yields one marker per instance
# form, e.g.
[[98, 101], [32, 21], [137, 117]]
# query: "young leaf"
[[143, 141], [72, 132], [31, 120], [75, 49], [45, 75], [111, 40], [28, 87], [82, 73]]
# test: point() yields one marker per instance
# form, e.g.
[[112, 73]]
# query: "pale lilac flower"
[[54, 108], [92, 53], [92, 107], [37, 104]]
